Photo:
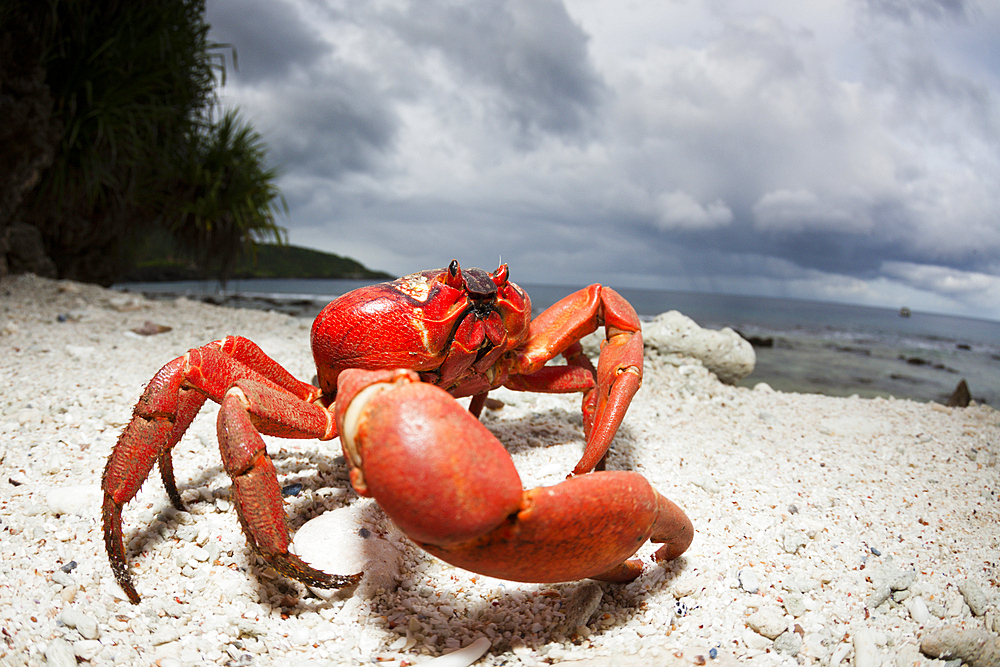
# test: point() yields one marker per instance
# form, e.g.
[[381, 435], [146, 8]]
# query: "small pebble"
[[795, 604], [767, 622], [69, 567], [875, 551], [974, 596], [85, 625], [788, 643], [59, 653], [749, 581], [918, 610], [291, 490], [793, 540]]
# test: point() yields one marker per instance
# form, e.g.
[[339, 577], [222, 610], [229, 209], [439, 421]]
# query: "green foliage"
[[229, 200], [133, 83]]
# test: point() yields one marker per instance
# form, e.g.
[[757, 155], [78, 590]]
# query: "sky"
[[841, 151]]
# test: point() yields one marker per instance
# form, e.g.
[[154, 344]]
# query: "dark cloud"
[[530, 52], [340, 123], [748, 152], [909, 11], [270, 38]]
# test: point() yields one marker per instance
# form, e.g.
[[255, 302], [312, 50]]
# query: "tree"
[[229, 198], [132, 88]]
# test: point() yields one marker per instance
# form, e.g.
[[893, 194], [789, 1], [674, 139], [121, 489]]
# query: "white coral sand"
[[828, 530]]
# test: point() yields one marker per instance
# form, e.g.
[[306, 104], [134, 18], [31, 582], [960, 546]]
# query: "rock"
[[767, 622], [788, 643], [974, 647], [974, 596], [795, 604], [150, 328], [580, 605], [793, 540], [347, 541], [25, 250], [85, 625], [722, 352], [749, 581], [961, 397]]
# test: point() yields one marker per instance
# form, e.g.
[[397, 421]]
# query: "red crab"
[[437, 472]]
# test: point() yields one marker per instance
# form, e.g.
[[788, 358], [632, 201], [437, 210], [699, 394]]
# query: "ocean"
[[801, 346]]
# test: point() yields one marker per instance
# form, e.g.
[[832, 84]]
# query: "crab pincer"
[[450, 485]]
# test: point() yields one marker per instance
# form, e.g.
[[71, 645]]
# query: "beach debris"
[[749, 581], [973, 646], [84, 624], [788, 643], [723, 352], [866, 653], [348, 540], [961, 397], [463, 657], [974, 596], [150, 328], [78, 500], [767, 622]]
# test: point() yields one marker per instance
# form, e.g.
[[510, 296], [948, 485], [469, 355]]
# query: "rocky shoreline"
[[828, 530]]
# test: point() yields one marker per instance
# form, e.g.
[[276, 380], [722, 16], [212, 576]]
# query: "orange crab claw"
[[608, 390], [451, 486]]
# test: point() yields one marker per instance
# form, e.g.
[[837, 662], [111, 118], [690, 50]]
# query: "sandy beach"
[[828, 530]]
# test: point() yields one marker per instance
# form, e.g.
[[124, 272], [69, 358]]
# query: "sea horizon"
[[802, 345]]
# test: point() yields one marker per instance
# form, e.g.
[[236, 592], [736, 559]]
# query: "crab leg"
[[256, 494], [608, 390], [164, 412], [452, 488]]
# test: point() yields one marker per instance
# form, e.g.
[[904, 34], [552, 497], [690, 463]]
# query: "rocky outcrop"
[[723, 352]]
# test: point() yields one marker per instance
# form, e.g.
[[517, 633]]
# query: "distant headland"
[[269, 261]]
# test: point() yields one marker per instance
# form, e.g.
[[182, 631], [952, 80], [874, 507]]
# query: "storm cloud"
[[845, 151]]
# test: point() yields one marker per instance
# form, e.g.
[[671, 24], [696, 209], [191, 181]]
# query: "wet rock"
[[722, 352], [961, 397]]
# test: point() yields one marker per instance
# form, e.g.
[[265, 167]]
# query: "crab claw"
[[451, 486]]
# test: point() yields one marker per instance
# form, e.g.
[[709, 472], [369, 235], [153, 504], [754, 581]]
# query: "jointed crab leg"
[[166, 409], [608, 390]]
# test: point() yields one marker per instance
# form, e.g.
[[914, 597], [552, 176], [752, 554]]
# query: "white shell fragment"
[[347, 541], [463, 657]]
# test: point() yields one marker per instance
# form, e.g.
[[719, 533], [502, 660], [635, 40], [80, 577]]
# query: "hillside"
[[270, 261]]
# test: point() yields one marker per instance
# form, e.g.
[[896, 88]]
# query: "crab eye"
[[500, 275], [454, 276]]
